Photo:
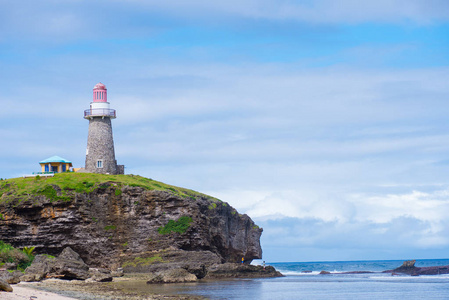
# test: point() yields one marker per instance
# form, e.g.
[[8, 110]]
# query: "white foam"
[[296, 273]]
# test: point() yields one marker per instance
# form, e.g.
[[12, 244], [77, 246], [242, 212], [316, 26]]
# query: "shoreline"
[[25, 290], [58, 289]]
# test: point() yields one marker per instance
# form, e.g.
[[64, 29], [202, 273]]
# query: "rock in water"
[[100, 275], [172, 276], [238, 270], [4, 286], [408, 267]]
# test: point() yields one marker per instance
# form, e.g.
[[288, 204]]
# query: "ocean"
[[311, 285]]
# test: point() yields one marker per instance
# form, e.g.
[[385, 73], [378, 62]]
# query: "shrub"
[[9, 254], [28, 250]]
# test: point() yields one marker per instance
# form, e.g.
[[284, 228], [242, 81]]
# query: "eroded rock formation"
[[116, 226]]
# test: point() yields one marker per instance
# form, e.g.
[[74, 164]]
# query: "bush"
[[9, 254], [28, 250]]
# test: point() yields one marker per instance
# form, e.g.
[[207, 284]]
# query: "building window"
[[100, 163]]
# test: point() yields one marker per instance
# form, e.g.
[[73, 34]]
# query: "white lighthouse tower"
[[100, 154]]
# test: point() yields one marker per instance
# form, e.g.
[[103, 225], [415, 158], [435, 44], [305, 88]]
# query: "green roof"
[[55, 159]]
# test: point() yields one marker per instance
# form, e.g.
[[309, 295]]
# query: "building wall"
[[100, 147], [56, 164]]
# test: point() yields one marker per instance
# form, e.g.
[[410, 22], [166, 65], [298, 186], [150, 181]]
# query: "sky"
[[325, 121]]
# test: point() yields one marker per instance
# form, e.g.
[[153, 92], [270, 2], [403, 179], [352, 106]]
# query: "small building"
[[55, 164]]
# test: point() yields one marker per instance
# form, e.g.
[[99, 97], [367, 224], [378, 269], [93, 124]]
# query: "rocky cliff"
[[124, 221]]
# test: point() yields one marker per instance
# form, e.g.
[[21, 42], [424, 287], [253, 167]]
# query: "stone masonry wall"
[[100, 146]]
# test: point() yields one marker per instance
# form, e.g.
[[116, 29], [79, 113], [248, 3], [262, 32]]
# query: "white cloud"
[[318, 11], [57, 21], [432, 207]]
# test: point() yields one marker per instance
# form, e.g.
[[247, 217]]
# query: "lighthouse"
[[100, 154]]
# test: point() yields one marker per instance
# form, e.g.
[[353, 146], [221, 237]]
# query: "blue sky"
[[325, 121]]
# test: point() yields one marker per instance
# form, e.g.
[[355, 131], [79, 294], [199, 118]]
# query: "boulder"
[[199, 270], [4, 286], [238, 270], [31, 277], [11, 277], [170, 258], [408, 267], [324, 272], [69, 265], [172, 276], [99, 275], [39, 268], [117, 273]]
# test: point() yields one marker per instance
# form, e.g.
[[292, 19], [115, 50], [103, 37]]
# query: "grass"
[[179, 226], [63, 186], [110, 227]]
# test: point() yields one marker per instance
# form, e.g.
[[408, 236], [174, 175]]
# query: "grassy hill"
[[62, 186]]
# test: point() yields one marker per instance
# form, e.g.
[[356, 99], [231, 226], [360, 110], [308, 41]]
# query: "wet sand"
[[56, 289]]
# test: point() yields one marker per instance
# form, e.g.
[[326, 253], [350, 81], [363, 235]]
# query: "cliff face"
[[120, 225]]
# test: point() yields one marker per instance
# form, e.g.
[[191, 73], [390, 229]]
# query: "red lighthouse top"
[[100, 93]]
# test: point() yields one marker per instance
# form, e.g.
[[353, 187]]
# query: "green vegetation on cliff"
[[179, 226], [143, 261], [62, 186], [9, 254]]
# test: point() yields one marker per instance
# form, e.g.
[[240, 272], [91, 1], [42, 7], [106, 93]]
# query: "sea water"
[[311, 285]]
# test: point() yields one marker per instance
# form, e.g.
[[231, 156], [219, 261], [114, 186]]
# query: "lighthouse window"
[[100, 163]]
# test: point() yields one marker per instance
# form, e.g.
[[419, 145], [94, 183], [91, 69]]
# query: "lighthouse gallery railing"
[[99, 112]]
